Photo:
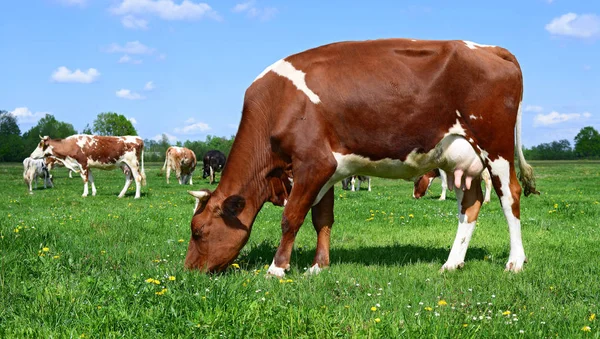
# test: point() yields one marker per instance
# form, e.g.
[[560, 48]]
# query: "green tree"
[[110, 123], [87, 130], [587, 143], [49, 126], [11, 143]]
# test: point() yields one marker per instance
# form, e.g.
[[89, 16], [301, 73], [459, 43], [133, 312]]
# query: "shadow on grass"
[[393, 255]]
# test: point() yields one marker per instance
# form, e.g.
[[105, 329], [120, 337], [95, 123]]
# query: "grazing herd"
[[392, 108]]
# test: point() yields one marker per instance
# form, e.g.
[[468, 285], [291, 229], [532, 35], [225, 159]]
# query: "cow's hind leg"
[[504, 179], [128, 179], [469, 202], [168, 170], [322, 218], [444, 180], [91, 179], [84, 176], [307, 185]]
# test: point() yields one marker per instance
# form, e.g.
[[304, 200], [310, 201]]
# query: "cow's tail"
[[526, 175], [142, 172], [166, 161]]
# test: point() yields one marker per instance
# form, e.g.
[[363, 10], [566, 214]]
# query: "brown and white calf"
[[393, 108], [183, 161], [34, 169], [423, 183], [82, 152]]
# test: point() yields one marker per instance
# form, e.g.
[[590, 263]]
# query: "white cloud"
[[171, 138], [133, 120], [149, 86], [575, 25], [126, 59], [25, 116], [128, 94], [63, 74], [555, 118], [253, 11], [129, 21], [167, 9], [131, 47], [192, 127], [534, 108]]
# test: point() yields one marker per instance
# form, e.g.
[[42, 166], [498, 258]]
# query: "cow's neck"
[[245, 173]]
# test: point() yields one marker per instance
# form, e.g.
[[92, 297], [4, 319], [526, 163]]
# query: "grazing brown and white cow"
[[393, 108], [53, 162], [183, 161], [82, 152], [34, 169], [353, 183], [423, 183]]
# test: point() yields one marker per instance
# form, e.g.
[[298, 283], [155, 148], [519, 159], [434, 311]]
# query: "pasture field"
[[102, 267]]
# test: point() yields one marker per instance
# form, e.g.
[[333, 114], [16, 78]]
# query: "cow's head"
[[422, 184], [218, 235], [43, 149]]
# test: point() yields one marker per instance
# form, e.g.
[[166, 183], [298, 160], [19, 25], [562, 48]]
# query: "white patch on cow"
[[131, 139], [473, 45], [458, 114], [471, 140], [501, 168], [473, 117], [314, 270], [484, 153], [456, 129], [456, 259], [276, 271], [413, 40], [451, 153], [286, 69], [81, 141], [92, 141], [101, 165], [71, 164]]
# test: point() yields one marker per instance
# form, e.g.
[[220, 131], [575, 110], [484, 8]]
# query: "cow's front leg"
[[307, 185], [91, 179], [84, 176], [322, 218], [212, 175], [469, 202]]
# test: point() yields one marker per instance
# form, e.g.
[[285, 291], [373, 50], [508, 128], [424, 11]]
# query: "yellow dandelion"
[[45, 249], [203, 298], [266, 267], [555, 205], [377, 320], [411, 215], [347, 306], [172, 278], [592, 317], [373, 308], [428, 309], [289, 281], [163, 291], [266, 293], [586, 329], [180, 240], [506, 313], [442, 302], [103, 252], [236, 266], [149, 280], [56, 257], [16, 230]]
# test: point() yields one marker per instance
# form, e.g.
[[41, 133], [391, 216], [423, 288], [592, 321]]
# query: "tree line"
[[14, 146]]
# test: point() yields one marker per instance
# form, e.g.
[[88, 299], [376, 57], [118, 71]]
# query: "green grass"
[[386, 253]]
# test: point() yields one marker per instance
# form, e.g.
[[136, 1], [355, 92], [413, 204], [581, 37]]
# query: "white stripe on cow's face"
[[297, 77]]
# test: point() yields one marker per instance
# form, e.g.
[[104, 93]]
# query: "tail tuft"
[[527, 179]]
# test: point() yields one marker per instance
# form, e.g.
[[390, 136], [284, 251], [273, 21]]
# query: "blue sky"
[[181, 67]]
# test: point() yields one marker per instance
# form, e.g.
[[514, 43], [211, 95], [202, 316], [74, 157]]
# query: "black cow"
[[214, 161]]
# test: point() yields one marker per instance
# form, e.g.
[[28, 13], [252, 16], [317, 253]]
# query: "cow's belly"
[[101, 165], [452, 153]]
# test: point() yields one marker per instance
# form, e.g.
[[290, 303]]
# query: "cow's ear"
[[233, 206], [202, 197]]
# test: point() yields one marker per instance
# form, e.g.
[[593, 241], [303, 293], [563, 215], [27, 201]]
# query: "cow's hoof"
[[448, 267], [275, 271], [314, 270], [515, 264]]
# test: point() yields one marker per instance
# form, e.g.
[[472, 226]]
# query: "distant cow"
[[213, 161], [354, 182], [423, 183], [392, 108], [53, 162], [183, 161], [82, 152], [34, 169]]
